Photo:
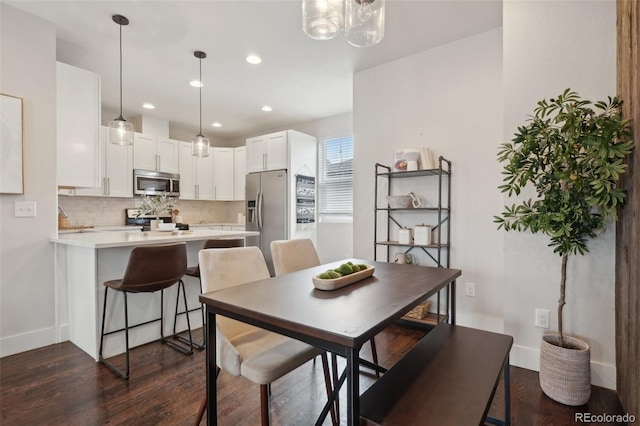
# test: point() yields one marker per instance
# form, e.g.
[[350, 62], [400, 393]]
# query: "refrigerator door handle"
[[260, 201]]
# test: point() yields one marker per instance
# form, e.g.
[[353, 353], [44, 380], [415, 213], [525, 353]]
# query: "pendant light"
[[364, 22], [120, 130], [199, 143], [322, 19]]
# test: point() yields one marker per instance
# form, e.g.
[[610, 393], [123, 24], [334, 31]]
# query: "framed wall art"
[[11, 172]]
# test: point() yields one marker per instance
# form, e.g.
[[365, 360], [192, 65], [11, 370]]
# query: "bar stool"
[[149, 269], [194, 271]]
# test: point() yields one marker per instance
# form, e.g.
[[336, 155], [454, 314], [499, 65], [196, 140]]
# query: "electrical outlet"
[[542, 318], [470, 289], [25, 209]]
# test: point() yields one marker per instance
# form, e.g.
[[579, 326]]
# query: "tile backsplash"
[[103, 211]]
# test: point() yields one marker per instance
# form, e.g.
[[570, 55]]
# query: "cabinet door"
[[256, 154], [204, 180], [168, 155], [240, 172], [276, 151], [223, 173], [118, 170], [78, 127], [101, 190], [187, 172], [144, 152]]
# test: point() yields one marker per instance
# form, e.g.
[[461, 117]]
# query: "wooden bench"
[[448, 378]]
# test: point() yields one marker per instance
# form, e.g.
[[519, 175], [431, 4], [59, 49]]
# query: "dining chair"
[[294, 255], [245, 350], [149, 269], [194, 271]]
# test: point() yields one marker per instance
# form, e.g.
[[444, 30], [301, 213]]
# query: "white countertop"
[[198, 225], [110, 239]]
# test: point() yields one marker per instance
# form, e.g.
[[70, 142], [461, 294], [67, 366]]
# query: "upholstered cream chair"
[[242, 349]]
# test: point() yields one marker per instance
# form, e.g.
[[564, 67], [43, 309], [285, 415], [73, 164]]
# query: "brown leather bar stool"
[[194, 271], [149, 269]]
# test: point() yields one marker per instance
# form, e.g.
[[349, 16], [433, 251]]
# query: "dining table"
[[339, 321]]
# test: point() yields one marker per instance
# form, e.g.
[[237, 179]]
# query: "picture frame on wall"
[[11, 143]]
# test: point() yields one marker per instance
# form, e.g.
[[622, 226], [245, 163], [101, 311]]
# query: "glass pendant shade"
[[364, 22], [200, 146], [322, 19], [120, 132]]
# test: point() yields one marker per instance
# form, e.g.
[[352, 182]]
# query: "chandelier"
[[361, 20]]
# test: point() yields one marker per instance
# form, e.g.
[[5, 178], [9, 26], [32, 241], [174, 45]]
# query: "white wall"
[[549, 46], [449, 99], [28, 70]]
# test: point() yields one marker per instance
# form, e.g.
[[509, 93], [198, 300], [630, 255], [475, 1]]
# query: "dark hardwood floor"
[[61, 385]]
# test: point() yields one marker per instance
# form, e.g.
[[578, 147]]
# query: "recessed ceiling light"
[[216, 124], [254, 59], [196, 83], [267, 108], [148, 106]]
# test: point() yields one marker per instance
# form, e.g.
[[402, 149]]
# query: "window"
[[335, 182]]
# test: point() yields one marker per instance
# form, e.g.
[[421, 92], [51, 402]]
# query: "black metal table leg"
[[212, 397], [353, 387]]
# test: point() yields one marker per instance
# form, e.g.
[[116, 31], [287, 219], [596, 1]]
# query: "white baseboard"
[[603, 375], [25, 342]]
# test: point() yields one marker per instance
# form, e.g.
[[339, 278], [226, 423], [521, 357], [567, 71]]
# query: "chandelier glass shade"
[[364, 22], [322, 19], [120, 130]]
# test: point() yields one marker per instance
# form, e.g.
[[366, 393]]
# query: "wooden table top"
[[348, 316]]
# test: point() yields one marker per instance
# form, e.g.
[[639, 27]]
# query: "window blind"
[[335, 170]]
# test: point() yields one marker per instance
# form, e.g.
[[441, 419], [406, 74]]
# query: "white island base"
[[85, 260]]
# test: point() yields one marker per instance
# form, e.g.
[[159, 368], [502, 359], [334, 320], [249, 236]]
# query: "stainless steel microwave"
[[148, 182]]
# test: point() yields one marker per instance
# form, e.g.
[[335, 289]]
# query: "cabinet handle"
[[108, 186], [197, 192], [104, 186], [264, 161], [215, 192], [157, 162]]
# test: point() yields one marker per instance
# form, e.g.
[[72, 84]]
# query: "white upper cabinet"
[[240, 170], [268, 152], [196, 175], [78, 127], [223, 173], [152, 153], [116, 170]]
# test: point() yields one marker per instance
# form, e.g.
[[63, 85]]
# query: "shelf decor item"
[[572, 152]]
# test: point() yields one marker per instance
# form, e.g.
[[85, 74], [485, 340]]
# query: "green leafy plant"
[[572, 152], [155, 205]]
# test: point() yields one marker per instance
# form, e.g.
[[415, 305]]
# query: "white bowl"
[[167, 226], [399, 201]]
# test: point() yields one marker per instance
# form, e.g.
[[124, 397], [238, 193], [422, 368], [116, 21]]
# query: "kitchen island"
[[85, 260]]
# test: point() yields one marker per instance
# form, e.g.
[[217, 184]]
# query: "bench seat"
[[448, 378]]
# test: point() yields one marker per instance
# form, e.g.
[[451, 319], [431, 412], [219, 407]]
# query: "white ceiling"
[[302, 79]]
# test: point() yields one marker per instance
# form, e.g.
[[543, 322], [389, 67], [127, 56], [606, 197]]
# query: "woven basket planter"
[[565, 373]]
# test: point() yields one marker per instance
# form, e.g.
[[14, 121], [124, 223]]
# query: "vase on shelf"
[[153, 224]]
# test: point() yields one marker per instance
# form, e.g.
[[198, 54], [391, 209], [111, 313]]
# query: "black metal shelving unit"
[[439, 218]]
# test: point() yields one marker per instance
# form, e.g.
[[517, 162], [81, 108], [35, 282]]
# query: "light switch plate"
[[25, 209]]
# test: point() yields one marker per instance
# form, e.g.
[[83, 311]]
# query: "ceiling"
[[300, 78]]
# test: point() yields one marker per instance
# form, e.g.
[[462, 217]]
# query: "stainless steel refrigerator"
[[267, 210]]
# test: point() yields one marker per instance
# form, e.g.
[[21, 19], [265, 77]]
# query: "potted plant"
[[155, 205], [572, 153]]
